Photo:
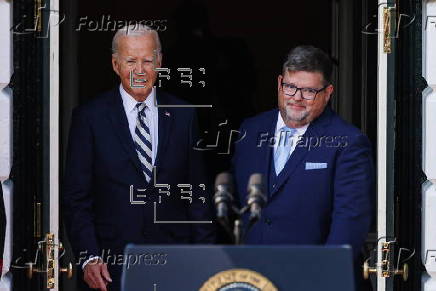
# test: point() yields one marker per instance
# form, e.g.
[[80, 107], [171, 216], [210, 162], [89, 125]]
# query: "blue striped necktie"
[[143, 142]]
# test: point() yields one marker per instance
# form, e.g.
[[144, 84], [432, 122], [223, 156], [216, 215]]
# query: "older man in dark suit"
[[130, 157]]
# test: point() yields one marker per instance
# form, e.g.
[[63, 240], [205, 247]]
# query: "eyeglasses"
[[306, 93]]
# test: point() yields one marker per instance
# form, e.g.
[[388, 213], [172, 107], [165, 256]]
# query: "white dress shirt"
[[151, 112], [280, 124]]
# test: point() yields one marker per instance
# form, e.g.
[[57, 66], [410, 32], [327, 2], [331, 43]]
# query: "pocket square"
[[314, 166]]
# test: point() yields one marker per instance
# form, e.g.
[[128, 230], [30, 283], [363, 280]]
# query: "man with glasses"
[[317, 168]]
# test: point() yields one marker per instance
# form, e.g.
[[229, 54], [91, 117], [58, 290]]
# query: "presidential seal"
[[238, 280]]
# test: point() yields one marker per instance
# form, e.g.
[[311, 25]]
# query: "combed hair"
[[135, 30], [310, 59]]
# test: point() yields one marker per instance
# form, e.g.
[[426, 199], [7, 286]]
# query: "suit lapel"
[[315, 129], [165, 118], [119, 121], [266, 149]]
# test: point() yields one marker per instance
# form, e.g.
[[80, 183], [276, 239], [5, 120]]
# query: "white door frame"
[[54, 132], [384, 203]]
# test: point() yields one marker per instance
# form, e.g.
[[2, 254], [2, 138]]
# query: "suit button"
[[268, 221]]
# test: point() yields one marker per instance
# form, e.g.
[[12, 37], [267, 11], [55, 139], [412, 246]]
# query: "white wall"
[[428, 254], [6, 132]]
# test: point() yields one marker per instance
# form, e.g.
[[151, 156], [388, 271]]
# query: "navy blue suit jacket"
[[329, 202], [102, 165]]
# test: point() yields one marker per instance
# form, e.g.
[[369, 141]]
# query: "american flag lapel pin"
[[167, 113]]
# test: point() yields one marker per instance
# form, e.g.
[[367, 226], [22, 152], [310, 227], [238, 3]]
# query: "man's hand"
[[96, 275]]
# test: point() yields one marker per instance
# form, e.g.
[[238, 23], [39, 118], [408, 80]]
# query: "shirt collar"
[[129, 102], [281, 124]]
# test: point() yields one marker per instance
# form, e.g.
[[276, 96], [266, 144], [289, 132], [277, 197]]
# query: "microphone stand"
[[238, 234], [237, 231], [238, 227]]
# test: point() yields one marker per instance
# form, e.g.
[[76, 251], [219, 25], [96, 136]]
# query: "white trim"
[[6, 59], [54, 131], [6, 142], [382, 88], [6, 275], [428, 253]]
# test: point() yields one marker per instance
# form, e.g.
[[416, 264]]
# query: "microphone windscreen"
[[224, 178], [255, 179]]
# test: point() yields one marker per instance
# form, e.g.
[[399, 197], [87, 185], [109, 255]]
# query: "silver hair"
[[135, 30]]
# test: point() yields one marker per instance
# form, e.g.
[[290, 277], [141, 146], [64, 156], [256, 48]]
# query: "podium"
[[237, 268]]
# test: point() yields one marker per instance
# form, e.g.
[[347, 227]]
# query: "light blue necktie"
[[284, 146], [143, 143]]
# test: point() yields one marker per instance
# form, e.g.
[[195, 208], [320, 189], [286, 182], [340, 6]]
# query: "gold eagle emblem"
[[238, 280]]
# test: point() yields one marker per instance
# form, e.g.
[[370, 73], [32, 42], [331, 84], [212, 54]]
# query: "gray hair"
[[310, 59], [135, 30]]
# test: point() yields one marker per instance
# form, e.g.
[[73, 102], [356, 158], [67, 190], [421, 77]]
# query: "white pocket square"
[[314, 166]]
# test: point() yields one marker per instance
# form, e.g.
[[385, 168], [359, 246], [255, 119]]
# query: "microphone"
[[256, 198], [223, 195]]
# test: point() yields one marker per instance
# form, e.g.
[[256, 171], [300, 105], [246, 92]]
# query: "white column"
[[54, 132], [428, 254], [382, 133], [6, 133]]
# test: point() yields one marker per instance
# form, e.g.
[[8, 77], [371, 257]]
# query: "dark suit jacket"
[[326, 202], [102, 165]]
